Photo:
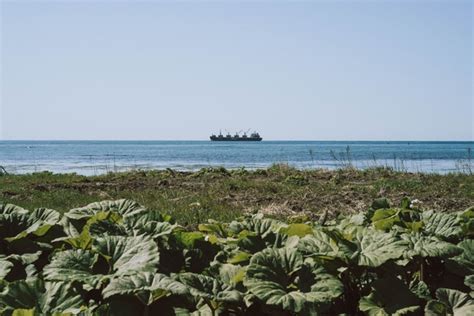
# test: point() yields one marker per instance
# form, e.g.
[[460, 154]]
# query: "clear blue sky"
[[388, 70]]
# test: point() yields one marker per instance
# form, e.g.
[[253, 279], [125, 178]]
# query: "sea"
[[99, 157]]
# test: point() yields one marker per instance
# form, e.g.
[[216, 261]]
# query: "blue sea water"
[[96, 157]]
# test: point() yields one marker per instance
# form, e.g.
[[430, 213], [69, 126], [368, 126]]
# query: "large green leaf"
[[390, 296], [75, 219], [37, 223], [464, 263], [18, 266], [215, 228], [136, 221], [265, 228], [325, 244], [13, 224], [123, 207], [45, 215], [156, 230], [250, 242], [469, 281], [73, 265], [46, 298], [444, 225], [385, 219], [280, 278], [231, 275], [450, 302], [428, 246], [420, 289], [11, 208], [5, 266], [239, 257], [147, 286], [374, 248], [297, 229], [102, 223], [126, 255], [207, 287]]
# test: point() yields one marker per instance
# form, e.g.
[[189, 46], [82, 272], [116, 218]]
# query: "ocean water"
[[97, 157]]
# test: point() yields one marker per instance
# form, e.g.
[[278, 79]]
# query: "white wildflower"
[[415, 204]]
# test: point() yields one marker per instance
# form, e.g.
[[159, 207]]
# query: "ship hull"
[[241, 139]]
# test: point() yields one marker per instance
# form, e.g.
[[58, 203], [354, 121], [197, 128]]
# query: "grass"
[[222, 194]]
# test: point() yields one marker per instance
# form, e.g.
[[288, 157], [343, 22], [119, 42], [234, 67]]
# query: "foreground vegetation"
[[224, 195], [119, 258]]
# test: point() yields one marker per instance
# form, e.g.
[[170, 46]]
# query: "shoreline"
[[424, 166], [224, 194]]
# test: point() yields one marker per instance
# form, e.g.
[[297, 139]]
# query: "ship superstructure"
[[255, 137]]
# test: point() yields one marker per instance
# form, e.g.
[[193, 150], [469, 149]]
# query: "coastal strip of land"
[[279, 191]]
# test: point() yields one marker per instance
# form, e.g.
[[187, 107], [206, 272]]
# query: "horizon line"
[[207, 140]]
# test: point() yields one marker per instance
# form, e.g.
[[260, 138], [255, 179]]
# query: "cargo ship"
[[254, 137]]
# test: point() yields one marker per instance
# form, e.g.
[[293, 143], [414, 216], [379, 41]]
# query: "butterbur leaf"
[[11, 208], [190, 239], [75, 219], [46, 298], [147, 286], [125, 255], [214, 228], [464, 263], [279, 278], [5, 266], [265, 228], [16, 225], [123, 207], [450, 302], [374, 248], [209, 288], [137, 220], [45, 215], [13, 224], [128, 254], [469, 281], [428, 246], [297, 230], [155, 229], [239, 257], [24, 312], [18, 266], [420, 289], [231, 274], [436, 308], [106, 227], [73, 265], [229, 296], [443, 225], [100, 224], [199, 285], [390, 296], [250, 242], [325, 244], [385, 219]]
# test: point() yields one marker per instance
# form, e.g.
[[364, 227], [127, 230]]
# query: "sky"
[[181, 70]]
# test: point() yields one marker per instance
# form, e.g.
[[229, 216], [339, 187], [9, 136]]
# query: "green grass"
[[223, 194]]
